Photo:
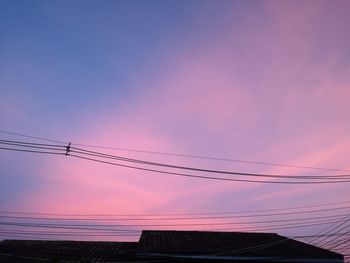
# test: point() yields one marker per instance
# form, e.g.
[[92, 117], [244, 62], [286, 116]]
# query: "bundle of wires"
[[167, 168]]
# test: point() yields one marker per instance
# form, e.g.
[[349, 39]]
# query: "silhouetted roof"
[[70, 250], [172, 246], [229, 244]]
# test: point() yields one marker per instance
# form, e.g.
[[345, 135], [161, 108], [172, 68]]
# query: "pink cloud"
[[281, 109]]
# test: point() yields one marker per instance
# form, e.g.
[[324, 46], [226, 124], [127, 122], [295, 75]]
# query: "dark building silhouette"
[[172, 246]]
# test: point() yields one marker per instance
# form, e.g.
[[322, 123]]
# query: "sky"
[[263, 81]]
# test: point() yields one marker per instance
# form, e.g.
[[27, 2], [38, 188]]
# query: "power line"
[[101, 233], [36, 233], [208, 177], [313, 236], [32, 137], [335, 180], [62, 226], [334, 238], [32, 147], [123, 225], [110, 230], [277, 227], [196, 169], [69, 151], [30, 144], [29, 151], [181, 155], [181, 218], [341, 242], [253, 248], [218, 159], [330, 229], [192, 214]]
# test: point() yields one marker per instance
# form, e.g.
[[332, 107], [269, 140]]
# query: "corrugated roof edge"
[[242, 258]]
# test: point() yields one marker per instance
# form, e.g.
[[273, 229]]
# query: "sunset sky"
[[261, 81]]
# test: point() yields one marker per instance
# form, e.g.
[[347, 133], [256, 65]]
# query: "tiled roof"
[[228, 244]]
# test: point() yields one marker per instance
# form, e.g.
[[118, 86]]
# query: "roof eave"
[[245, 258]]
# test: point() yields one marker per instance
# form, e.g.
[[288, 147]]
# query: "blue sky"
[[254, 80]]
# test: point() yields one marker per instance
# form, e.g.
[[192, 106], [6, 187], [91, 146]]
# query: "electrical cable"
[[253, 248], [334, 238], [340, 243], [194, 214], [337, 179], [30, 151], [180, 155], [114, 157], [103, 155], [186, 218], [30, 144], [76, 227], [323, 221], [208, 177], [67, 234], [330, 229]]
